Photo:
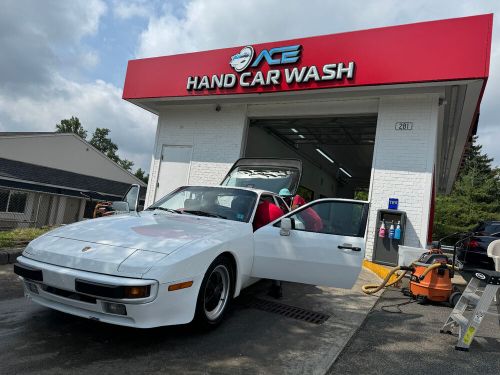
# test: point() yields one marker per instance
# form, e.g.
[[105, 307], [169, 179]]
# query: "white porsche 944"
[[186, 256]]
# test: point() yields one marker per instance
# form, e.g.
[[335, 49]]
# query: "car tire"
[[215, 295]]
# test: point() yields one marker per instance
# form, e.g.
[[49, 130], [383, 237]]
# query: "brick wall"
[[403, 163], [216, 138]]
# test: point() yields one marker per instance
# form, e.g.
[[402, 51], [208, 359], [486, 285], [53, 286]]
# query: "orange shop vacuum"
[[430, 278]]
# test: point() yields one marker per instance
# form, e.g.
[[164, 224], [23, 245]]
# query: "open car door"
[[321, 243]]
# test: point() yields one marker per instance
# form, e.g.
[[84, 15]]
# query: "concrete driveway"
[[37, 340]]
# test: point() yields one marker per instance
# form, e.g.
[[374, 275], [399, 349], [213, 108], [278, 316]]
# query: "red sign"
[[445, 50]]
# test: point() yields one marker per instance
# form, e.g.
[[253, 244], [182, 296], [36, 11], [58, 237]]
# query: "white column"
[[403, 163]]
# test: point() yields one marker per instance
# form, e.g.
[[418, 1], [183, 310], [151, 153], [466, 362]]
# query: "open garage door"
[[336, 152]]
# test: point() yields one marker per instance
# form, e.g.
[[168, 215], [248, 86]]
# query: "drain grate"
[[289, 311]]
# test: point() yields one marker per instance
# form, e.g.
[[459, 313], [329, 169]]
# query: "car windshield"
[[224, 203], [265, 178]]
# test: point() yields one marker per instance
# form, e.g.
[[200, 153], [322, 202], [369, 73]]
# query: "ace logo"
[[274, 56]]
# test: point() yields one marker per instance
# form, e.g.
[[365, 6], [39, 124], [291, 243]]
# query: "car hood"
[[122, 244]]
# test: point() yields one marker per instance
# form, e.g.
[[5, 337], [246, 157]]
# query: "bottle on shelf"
[[381, 230], [391, 230], [397, 232]]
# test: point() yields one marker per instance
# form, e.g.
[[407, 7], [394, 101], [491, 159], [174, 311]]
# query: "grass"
[[20, 236]]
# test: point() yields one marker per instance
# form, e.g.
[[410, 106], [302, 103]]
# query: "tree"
[[141, 174], [126, 164], [103, 143], [475, 195], [72, 125]]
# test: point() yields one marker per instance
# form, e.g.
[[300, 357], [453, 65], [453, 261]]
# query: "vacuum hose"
[[434, 266], [374, 288]]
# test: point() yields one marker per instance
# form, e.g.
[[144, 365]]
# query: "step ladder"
[[477, 298]]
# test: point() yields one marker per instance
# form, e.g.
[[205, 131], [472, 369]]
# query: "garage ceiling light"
[[294, 130], [325, 156], [347, 173], [301, 136]]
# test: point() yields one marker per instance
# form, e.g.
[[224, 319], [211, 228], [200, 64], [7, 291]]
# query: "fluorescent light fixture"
[[347, 173], [301, 136], [294, 130], [325, 156]]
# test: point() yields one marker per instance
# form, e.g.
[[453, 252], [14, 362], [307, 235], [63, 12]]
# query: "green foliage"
[[100, 140], [361, 195], [20, 236], [475, 196], [126, 164], [141, 174], [72, 125]]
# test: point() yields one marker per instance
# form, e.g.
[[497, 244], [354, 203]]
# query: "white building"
[[387, 110], [54, 178]]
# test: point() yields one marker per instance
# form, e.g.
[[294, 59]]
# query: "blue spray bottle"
[[397, 232], [391, 230]]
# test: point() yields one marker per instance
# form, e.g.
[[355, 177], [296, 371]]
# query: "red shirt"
[[266, 212]]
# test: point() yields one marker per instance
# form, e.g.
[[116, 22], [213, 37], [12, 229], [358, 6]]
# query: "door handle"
[[349, 247]]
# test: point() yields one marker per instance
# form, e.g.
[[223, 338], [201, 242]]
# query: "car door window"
[[331, 217]]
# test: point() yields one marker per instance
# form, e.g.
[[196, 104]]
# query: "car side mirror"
[[285, 226], [132, 197], [120, 206]]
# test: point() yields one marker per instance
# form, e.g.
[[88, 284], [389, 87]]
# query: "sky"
[[68, 58]]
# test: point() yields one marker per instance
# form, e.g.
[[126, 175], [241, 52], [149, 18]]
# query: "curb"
[[379, 270], [9, 255]]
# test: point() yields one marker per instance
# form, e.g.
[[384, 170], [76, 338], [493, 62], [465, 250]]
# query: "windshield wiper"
[[204, 213], [166, 209]]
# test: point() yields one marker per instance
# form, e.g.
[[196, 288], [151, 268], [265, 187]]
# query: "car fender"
[[193, 260]]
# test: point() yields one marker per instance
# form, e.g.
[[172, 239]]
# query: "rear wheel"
[[215, 293]]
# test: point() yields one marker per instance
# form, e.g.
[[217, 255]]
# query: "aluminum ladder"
[[480, 300]]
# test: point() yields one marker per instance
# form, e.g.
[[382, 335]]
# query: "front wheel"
[[215, 293]]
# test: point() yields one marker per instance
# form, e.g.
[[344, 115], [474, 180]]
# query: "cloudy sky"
[[68, 58]]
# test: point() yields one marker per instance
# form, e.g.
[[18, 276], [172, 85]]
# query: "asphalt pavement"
[[399, 337], [37, 340]]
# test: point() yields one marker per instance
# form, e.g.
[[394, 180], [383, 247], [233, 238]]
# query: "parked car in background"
[[473, 251]]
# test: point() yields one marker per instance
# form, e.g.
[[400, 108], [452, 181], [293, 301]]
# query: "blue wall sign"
[[393, 203]]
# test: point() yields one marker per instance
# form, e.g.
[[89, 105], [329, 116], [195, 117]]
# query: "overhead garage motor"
[[430, 278]]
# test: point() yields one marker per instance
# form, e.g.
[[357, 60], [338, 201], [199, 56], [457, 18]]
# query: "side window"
[[332, 217], [281, 204]]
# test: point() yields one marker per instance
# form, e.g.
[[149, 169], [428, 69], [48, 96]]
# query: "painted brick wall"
[[216, 138], [403, 163]]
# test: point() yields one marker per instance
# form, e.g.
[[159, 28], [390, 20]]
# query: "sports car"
[[188, 255]]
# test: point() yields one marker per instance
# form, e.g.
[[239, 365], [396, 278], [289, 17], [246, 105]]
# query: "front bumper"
[[54, 287]]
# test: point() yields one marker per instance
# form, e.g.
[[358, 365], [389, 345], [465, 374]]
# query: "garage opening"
[[336, 152]]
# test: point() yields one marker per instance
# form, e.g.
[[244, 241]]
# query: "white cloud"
[[34, 92], [136, 8], [96, 104], [209, 24]]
